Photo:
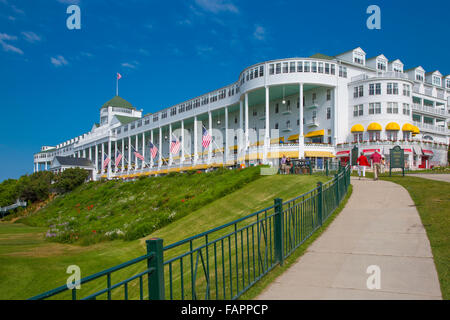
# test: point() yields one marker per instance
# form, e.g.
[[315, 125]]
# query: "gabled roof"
[[432, 72], [118, 102], [69, 161], [418, 67], [358, 48], [322, 56], [379, 56], [124, 119], [396, 61]]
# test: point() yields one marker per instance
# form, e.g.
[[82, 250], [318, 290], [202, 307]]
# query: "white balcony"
[[429, 110], [313, 122], [431, 128]]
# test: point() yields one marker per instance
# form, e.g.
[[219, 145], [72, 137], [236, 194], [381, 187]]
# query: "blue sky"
[[54, 80]]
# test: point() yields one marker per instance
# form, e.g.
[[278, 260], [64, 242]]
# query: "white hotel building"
[[319, 107]]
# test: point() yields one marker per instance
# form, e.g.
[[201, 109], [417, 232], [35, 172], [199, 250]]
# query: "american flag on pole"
[[118, 157], [175, 146], [153, 150], [106, 160], [119, 76], [138, 155], [206, 138]]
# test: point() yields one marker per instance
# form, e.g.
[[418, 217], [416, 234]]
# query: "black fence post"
[[156, 276], [319, 202], [278, 230]]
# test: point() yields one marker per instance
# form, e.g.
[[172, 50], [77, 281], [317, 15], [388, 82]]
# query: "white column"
[[84, 153], [103, 155], [210, 133], [169, 140], [267, 134], [129, 154], [143, 149], [151, 140], [115, 154], [90, 153], [110, 157], [182, 142], [123, 154], [335, 117], [246, 123], [226, 150], [160, 148], [45, 165], [195, 140], [136, 160], [241, 144], [96, 158], [301, 138]]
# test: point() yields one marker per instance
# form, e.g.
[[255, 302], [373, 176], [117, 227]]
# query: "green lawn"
[[31, 265], [432, 200]]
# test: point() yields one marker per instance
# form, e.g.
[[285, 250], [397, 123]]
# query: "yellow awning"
[[316, 133], [291, 154], [319, 154], [374, 127], [293, 137], [392, 126], [415, 130], [357, 128], [408, 127], [233, 147]]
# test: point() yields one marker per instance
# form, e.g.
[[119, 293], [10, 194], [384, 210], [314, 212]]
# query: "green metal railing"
[[226, 261]]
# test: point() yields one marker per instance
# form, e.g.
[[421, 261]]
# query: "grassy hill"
[[107, 210], [31, 265]]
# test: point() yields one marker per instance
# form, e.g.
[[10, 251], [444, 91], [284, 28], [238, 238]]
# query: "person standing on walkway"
[[283, 164], [362, 164], [376, 160]]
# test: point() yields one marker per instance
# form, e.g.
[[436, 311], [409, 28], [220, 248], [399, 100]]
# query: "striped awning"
[[293, 137], [344, 153], [427, 152]]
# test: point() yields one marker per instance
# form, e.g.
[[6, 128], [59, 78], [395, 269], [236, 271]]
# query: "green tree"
[[35, 187], [8, 192], [69, 179]]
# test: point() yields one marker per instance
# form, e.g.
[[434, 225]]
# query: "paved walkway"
[[433, 176], [379, 226]]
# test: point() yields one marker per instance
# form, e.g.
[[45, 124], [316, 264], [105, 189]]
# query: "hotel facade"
[[305, 108]]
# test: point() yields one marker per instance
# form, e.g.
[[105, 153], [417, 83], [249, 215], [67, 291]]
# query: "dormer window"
[[437, 81], [358, 58], [381, 65], [447, 83], [419, 76]]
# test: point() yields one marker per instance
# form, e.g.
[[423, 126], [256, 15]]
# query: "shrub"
[[69, 179]]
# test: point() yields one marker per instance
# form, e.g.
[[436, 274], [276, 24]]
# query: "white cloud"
[[144, 52], [8, 47], [31, 37], [260, 33], [130, 65], [203, 50], [185, 22], [58, 61], [217, 6]]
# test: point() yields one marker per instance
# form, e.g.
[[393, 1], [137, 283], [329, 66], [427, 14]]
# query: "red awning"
[[371, 151], [427, 152], [345, 153], [408, 150]]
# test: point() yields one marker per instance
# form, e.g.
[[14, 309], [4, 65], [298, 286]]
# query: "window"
[[164, 115], [285, 67], [447, 83], [378, 88], [406, 109], [375, 108], [173, 111], [314, 97], [333, 69], [155, 117], [406, 90], [320, 67], [391, 135], [314, 66], [271, 69], [361, 91], [235, 119], [358, 110], [419, 77], [406, 135], [436, 81], [276, 108], [392, 107], [328, 113], [395, 88], [389, 88], [355, 92], [328, 94], [288, 105], [261, 71], [292, 67], [358, 137], [342, 71], [276, 125], [327, 68], [299, 66], [371, 89], [374, 135], [306, 66], [381, 65], [288, 124], [255, 112], [278, 68]]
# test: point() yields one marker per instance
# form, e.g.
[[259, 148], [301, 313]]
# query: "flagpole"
[[117, 85]]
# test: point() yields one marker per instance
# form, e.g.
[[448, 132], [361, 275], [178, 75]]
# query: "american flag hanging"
[[106, 160], [174, 146], [118, 157], [153, 150], [206, 138], [138, 155]]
